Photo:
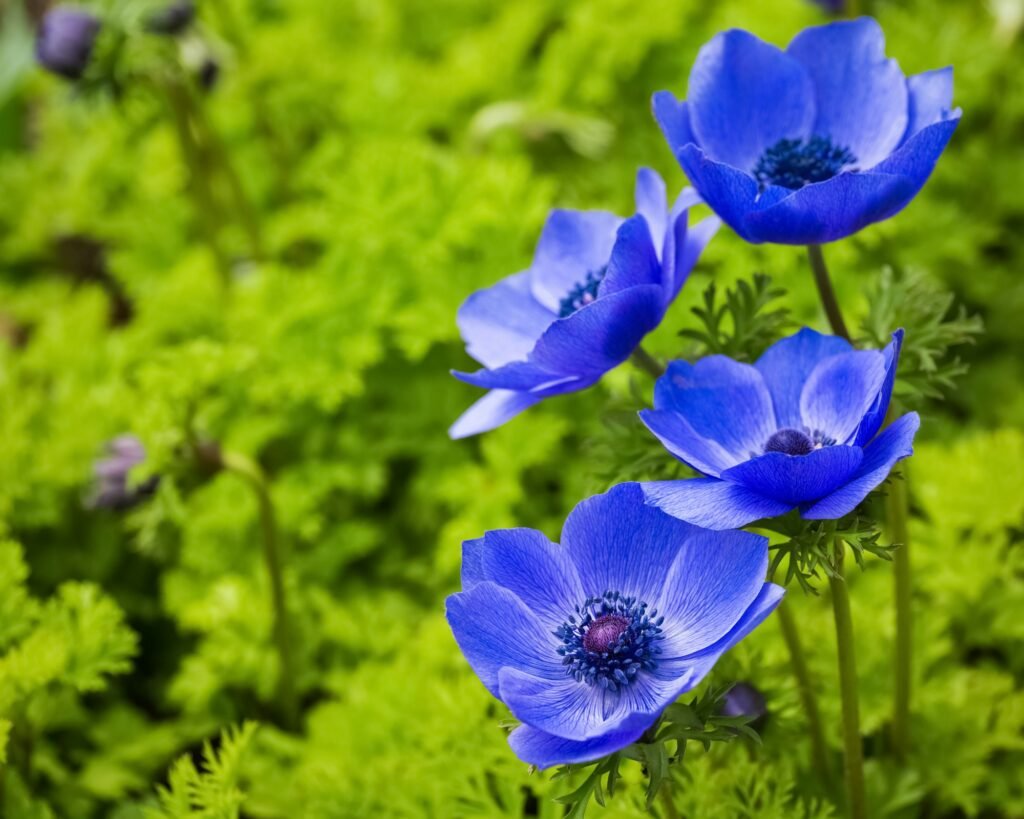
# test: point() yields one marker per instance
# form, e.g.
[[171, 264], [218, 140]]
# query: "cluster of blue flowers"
[[589, 641]]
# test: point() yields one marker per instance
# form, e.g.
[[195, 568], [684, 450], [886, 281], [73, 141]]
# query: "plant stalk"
[[805, 686], [665, 797], [897, 504], [647, 362], [853, 756], [825, 291]]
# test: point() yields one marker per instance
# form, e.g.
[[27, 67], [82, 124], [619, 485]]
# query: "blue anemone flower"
[[795, 430], [598, 284], [588, 642], [810, 144]]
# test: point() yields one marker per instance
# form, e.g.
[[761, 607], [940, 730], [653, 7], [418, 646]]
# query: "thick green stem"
[[853, 757], [665, 796], [647, 362], [249, 470], [825, 291], [898, 503], [805, 686]]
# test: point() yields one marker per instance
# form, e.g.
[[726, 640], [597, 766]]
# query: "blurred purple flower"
[[743, 700], [831, 6], [65, 40], [172, 19], [111, 488]]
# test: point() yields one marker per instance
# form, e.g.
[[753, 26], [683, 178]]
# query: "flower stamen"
[[793, 163]]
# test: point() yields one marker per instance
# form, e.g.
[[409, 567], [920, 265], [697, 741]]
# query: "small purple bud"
[[208, 74], [743, 700], [831, 6], [110, 476], [172, 19], [65, 40]]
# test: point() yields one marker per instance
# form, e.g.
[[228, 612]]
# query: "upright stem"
[[808, 699], [665, 795], [853, 759], [249, 470], [825, 291], [898, 504], [647, 362]]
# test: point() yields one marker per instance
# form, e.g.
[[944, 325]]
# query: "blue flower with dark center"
[[798, 429], [65, 40], [112, 488], [587, 670], [598, 284], [810, 144]]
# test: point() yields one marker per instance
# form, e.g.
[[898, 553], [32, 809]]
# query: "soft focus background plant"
[[392, 156]]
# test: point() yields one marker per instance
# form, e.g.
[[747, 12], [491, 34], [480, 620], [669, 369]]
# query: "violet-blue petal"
[[744, 96], [572, 244], [472, 563], [495, 630], [826, 211], [685, 246], [633, 260], [931, 98], [519, 375], [876, 414], [679, 438], [880, 456], [723, 400], [652, 204], [915, 159], [673, 117], [840, 391], [712, 503], [794, 479], [501, 323], [601, 335], [546, 750], [786, 366], [491, 411], [861, 95], [536, 570], [731, 193], [714, 579]]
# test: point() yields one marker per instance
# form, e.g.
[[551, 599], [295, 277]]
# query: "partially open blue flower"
[[588, 642], [597, 286], [810, 144], [795, 430], [65, 41]]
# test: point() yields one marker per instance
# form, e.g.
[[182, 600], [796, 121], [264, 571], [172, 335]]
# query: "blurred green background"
[[387, 158]]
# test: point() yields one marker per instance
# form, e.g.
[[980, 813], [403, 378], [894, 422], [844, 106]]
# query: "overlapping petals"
[[832, 89], [798, 429], [598, 284], [519, 589]]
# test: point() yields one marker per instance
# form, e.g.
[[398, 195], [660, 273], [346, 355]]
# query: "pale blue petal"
[[712, 503], [840, 391], [793, 479]]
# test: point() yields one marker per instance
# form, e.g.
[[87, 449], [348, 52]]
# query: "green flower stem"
[[250, 472], [805, 686], [647, 362], [825, 291], [665, 796], [853, 758], [897, 504]]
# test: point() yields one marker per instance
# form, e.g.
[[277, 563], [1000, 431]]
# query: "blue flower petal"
[[793, 479], [495, 630], [502, 323], [652, 204], [861, 96], [472, 563], [831, 210], [732, 194], [546, 750], [633, 261], [680, 439], [491, 411], [895, 443], [840, 391], [519, 375], [786, 366], [537, 571], [915, 159], [714, 579], [876, 414], [712, 503], [673, 117], [619, 543], [601, 335], [931, 98], [722, 400], [683, 246], [572, 244], [744, 96]]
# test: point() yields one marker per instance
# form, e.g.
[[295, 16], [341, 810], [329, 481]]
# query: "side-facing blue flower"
[[588, 642], [598, 284], [795, 430], [810, 144]]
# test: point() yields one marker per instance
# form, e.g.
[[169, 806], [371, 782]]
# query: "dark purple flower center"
[[582, 293], [795, 442], [609, 640], [793, 163]]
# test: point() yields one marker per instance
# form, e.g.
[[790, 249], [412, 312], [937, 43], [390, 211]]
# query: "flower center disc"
[[790, 442], [604, 633], [793, 163], [582, 294]]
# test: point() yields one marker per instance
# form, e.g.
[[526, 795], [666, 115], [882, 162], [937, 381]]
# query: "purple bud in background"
[[172, 19], [209, 73], [111, 489], [743, 700], [831, 6], [65, 40]]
